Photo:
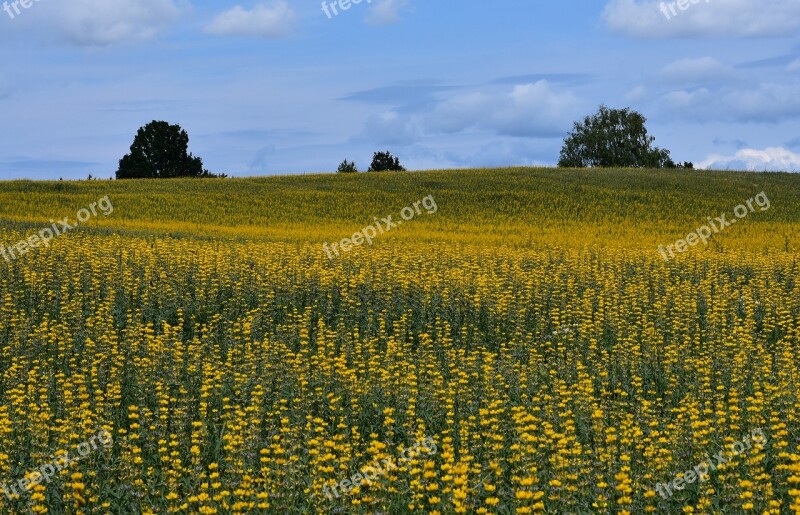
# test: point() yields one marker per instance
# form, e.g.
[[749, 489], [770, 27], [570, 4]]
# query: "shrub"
[[385, 162], [347, 167]]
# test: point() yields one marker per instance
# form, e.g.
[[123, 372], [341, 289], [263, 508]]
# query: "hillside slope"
[[521, 206]]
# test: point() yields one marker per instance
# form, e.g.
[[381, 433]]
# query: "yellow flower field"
[[529, 328]]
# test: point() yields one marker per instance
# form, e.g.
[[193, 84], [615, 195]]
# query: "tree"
[[613, 138], [160, 151], [347, 167], [385, 162]]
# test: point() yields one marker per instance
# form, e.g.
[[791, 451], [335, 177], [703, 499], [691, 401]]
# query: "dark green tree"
[[613, 138], [385, 162], [160, 151], [347, 167]]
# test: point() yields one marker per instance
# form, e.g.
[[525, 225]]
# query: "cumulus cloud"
[[527, 110], [392, 128], [720, 18], [385, 12], [772, 159], [271, 20], [106, 22], [769, 102], [534, 110]]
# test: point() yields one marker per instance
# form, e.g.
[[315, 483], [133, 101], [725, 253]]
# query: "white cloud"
[[772, 159], [385, 12], [391, 128], [461, 112], [700, 69], [722, 18], [687, 99], [106, 22], [769, 102], [528, 110], [264, 20]]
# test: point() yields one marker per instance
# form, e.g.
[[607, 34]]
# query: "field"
[[527, 332]]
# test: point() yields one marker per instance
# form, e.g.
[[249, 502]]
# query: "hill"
[[521, 206]]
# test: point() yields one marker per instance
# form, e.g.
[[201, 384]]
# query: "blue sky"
[[278, 87]]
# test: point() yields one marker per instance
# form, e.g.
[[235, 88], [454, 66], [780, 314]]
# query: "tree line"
[[615, 138]]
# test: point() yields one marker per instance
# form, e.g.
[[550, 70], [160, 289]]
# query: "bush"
[[385, 162], [347, 167]]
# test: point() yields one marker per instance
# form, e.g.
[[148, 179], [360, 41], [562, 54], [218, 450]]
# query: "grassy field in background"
[[519, 206], [528, 332]]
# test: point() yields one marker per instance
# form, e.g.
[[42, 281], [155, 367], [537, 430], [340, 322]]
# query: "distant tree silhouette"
[[614, 138], [347, 167], [160, 151], [385, 162]]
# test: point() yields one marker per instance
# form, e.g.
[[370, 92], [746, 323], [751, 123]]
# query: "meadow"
[[529, 328]]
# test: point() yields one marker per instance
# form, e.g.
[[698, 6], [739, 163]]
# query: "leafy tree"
[[160, 151], [385, 162], [347, 167], [613, 138]]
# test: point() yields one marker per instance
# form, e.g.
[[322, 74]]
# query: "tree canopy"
[[385, 162], [613, 138], [347, 167], [160, 151]]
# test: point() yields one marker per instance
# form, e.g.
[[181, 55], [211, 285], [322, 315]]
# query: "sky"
[[282, 87]]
